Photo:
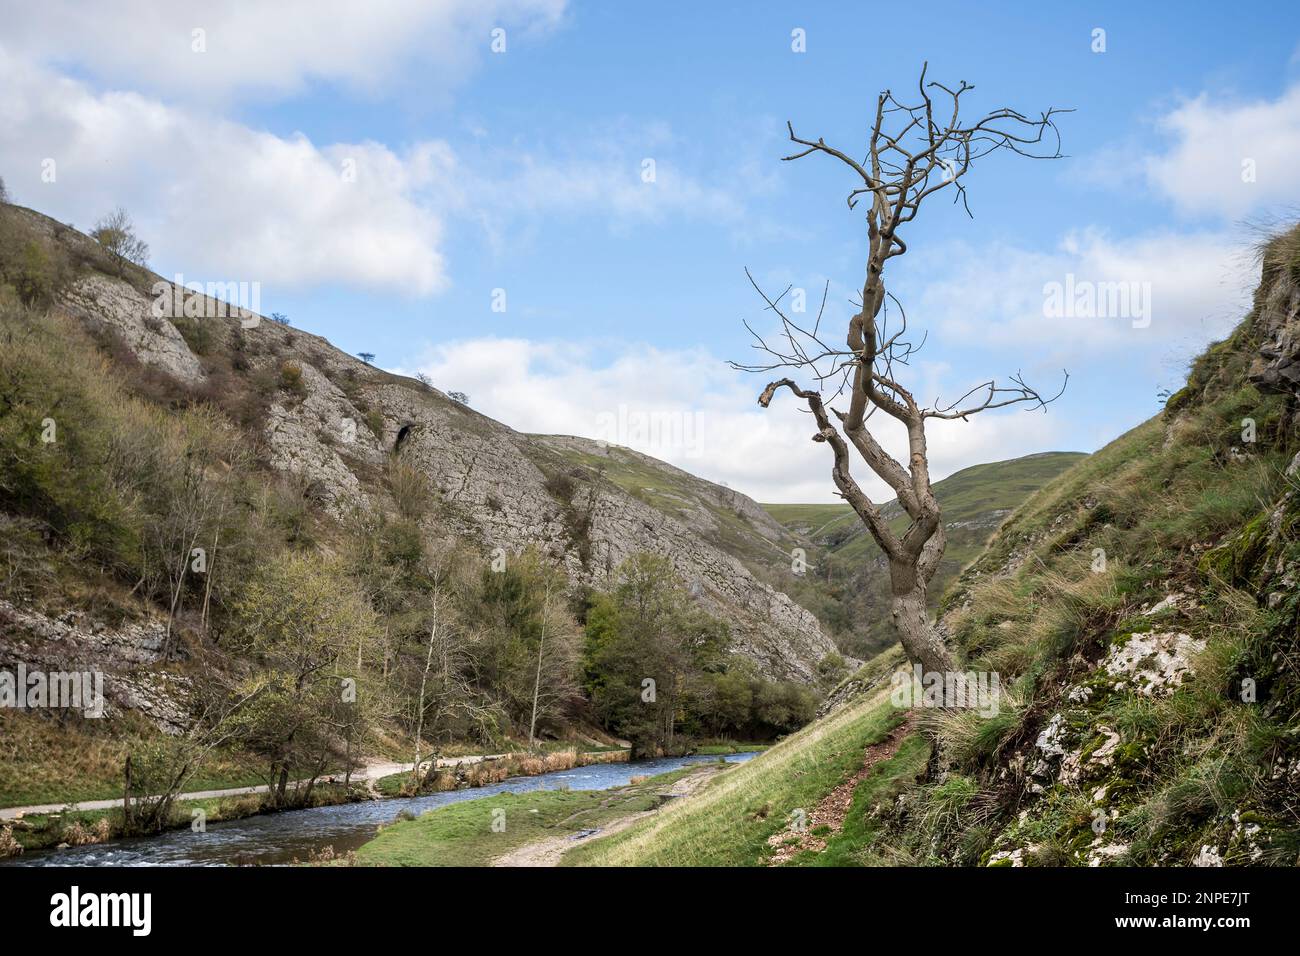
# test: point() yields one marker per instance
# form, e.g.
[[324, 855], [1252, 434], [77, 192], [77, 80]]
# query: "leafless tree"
[[438, 642], [917, 147], [116, 233], [446, 691], [192, 509]]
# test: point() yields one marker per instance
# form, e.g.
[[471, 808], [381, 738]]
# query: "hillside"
[[849, 584], [1141, 612], [181, 487], [496, 487]]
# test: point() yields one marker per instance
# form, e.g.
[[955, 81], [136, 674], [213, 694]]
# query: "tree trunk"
[[347, 766], [537, 683], [211, 569], [919, 637], [128, 812]]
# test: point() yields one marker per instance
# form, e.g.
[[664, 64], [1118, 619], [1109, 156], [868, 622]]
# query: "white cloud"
[[270, 48], [220, 200], [216, 197], [689, 409], [1212, 141], [1192, 287]]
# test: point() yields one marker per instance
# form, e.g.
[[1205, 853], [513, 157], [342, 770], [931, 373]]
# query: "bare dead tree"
[[447, 692], [917, 148]]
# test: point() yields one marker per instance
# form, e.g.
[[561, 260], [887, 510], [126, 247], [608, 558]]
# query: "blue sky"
[[522, 171]]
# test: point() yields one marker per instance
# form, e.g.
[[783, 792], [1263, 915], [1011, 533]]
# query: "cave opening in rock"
[[402, 434]]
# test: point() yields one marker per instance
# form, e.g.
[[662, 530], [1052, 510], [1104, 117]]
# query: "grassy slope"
[[855, 843], [682, 495], [971, 494]]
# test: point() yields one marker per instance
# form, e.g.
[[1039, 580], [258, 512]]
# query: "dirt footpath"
[[834, 807]]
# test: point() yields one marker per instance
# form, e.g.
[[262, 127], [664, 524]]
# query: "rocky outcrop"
[[313, 438], [1276, 368], [110, 303], [127, 656]]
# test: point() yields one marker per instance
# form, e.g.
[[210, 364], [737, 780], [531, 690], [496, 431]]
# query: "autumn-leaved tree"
[[919, 145]]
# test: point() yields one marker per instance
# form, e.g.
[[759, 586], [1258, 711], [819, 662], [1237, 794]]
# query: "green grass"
[[462, 834], [808, 516], [729, 821], [43, 762]]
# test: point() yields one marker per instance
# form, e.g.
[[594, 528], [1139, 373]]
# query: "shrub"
[[410, 488], [77, 834], [291, 379], [9, 845]]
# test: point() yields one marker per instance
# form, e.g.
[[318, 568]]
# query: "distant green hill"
[[975, 501]]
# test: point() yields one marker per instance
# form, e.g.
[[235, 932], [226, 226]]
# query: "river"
[[276, 838]]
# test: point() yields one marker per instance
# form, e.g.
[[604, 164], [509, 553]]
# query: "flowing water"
[[282, 837]]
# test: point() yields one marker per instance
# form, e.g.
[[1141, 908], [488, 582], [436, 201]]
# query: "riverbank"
[[524, 829], [55, 826], [334, 832], [67, 828]]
